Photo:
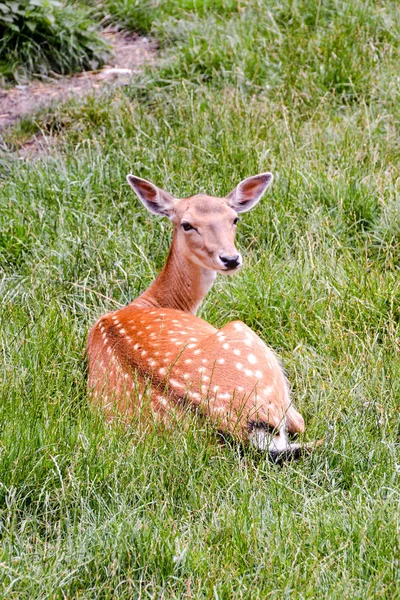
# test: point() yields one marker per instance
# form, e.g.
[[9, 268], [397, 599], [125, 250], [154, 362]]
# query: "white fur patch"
[[264, 440]]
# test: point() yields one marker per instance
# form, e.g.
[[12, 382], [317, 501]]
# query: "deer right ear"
[[155, 200], [249, 191]]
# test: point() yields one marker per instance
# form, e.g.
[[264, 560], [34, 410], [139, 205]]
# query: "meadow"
[[311, 92]]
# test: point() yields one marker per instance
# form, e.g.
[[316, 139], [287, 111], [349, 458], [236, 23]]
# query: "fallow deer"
[[156, 343]]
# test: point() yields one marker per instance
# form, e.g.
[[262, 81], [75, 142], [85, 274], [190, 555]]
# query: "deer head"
[[205, 226]]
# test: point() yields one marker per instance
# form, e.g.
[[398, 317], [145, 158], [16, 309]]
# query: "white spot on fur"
[[226, 346], [252, 359], [258, 374], [176, 383], [237, 352], [239, 366], [221, 361]]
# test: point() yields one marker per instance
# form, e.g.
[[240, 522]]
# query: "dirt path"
[[129, 53]]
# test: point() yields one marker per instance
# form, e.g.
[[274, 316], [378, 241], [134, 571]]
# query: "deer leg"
[[294, 421]]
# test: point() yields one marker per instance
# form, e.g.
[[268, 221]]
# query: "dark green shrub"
[[38, 36]]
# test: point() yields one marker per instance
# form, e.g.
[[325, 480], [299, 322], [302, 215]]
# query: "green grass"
[[93, 511]]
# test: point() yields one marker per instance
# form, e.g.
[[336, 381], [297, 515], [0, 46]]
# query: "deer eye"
[[236, 220], [186, 226]]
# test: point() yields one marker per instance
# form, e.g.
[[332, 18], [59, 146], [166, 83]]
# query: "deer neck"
[[182, 284]]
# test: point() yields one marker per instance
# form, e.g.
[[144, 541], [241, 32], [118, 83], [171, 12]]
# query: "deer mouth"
[[230, 270]]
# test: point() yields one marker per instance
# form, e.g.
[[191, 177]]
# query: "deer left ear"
[[156, 200], [249, 192]]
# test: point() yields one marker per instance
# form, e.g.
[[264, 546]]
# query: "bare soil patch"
[[130, 52]]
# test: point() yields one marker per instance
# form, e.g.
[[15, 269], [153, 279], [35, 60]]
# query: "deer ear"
[[155, 200], [249, 192]]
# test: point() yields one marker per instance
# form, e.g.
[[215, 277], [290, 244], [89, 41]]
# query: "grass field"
[[310, 91]]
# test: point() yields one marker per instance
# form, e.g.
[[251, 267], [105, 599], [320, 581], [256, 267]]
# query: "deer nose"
[[230, 262]]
